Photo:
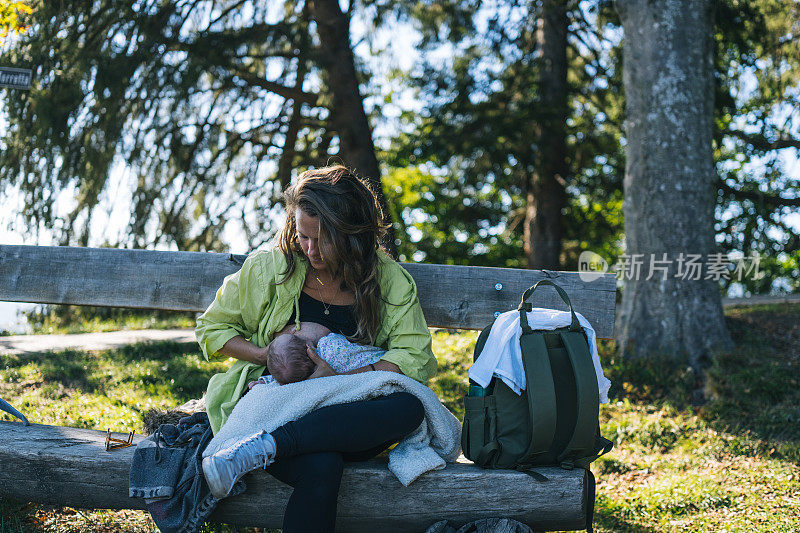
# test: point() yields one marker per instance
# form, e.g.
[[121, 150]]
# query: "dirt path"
[[90, 341]]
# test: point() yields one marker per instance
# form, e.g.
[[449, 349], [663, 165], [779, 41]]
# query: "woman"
[[328, 268]]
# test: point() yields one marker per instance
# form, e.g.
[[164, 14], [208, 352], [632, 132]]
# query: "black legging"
[[311, 452]]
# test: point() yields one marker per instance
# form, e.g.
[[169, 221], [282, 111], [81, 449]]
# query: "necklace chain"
[[327, 306]]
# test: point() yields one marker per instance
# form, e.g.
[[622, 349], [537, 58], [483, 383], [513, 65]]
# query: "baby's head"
[[288, 361]]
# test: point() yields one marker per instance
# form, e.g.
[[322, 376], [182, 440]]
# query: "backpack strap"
[[487, 453], [540, 393], [582, 443], [601, 447], [540, 387], [590, 497], [523, 319]]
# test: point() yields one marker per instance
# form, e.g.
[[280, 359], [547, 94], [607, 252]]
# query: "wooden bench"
[[70, 467]]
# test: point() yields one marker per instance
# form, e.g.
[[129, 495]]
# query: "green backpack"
[[555, 420]]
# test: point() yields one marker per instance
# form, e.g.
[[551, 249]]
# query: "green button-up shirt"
[[252, 304]]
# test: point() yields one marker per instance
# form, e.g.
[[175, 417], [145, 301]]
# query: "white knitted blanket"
[[435, 442]]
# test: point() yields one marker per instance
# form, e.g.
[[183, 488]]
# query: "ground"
[[732, 464]]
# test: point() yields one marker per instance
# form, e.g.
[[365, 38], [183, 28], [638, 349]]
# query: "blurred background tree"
[[196, 114], [476, 131], [500, 147], [757, 139], [203, 109], [12, 17], [670, 184]]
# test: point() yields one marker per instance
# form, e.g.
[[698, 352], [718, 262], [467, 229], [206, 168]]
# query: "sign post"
[[15, 78]]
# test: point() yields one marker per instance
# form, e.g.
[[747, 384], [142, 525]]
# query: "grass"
[[61, 319], [732, 464], [105, 389]]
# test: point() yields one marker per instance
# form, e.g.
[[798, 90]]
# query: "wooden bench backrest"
[[451, 296]]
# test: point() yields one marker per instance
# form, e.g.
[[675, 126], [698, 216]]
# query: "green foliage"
[[671, 470], [203, 102], [476, 132], [757, 62], [676, 496], [730, 465], [212, 110], [756, 388], [476, 138], [657, 377], [52, 319], [448, 221], [108, 389], [454, 352]]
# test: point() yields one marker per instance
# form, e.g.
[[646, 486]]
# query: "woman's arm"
[[236, 311], [380, 365], [239, 348], [409, 339]]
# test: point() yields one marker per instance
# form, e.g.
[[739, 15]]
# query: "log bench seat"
[[70, 467]]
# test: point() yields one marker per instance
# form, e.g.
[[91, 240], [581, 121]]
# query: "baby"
[[288, 361]]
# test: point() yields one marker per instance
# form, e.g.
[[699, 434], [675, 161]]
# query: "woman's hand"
[[323, 369]]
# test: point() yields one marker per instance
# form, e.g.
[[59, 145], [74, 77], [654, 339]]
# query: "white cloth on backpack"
[[435, 442], [502, 355]]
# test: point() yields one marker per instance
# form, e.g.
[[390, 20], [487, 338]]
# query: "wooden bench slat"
[[451, 296], [70, 467]]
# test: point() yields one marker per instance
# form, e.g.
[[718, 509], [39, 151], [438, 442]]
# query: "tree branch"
[[225, 12], [760, 142], [291, 93], [772, 200]]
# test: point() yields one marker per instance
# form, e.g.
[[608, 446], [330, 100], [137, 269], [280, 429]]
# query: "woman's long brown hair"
[[351, 229]]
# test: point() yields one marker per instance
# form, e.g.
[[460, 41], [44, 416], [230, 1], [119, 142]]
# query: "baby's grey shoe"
[[224, 468]]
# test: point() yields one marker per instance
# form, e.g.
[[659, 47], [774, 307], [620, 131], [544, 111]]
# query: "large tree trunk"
[[347, 112], [546, 196], [669, 181]]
